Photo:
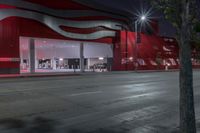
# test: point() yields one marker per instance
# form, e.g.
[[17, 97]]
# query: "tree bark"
[[187, 111]]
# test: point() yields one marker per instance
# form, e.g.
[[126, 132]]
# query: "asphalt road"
[[121, 102]]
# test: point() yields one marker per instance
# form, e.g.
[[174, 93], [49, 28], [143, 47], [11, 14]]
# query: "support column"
[[36, 63], [88, 62], [54, 63], [32, 55], [21, 60], [82, 67]]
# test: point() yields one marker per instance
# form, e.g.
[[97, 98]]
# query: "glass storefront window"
[[60, 55]]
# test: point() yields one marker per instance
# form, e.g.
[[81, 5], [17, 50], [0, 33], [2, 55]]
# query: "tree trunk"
[[187, 112]]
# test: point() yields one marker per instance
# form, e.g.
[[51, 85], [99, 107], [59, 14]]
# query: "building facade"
[[71, 35]]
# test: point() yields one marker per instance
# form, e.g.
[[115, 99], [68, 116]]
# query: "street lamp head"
[[143, 15], [143, 18]]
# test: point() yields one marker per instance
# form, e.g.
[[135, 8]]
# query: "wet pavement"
[[117, 102]]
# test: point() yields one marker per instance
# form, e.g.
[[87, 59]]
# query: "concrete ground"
[[118, 102]]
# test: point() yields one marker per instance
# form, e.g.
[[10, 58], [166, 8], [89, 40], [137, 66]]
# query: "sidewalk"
[[26, 75], [58, 74]]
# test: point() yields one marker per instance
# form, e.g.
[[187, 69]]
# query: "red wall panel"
[[117, 65], [131, 49], [152, 49], [9, 42]]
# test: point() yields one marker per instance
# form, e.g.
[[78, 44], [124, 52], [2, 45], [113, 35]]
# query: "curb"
[[36, 75], [9, 76]]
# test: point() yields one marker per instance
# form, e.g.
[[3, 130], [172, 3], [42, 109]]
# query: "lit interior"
[[60, 55]]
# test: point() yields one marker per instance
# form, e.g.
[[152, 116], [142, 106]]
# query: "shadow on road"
[[41, 125], [37, 125], [12, 123], [96, 131], [45, 125]]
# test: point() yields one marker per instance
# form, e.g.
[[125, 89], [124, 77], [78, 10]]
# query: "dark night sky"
[[132, 5]]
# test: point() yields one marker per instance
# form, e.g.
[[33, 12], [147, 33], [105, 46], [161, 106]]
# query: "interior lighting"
[[101, 58]]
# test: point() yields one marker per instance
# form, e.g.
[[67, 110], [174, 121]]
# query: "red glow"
[[9, 59], [6, 6]]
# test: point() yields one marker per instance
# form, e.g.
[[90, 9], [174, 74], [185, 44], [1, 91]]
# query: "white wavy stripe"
[[54, 24], [166, 49]]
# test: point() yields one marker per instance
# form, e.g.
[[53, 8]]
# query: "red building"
[[68, 35]]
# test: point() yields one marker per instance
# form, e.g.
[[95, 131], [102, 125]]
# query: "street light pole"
[[142, 19], [126, 44], [136, 45]]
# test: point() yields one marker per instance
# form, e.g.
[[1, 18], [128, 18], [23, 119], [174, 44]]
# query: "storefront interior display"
[[60, 55]]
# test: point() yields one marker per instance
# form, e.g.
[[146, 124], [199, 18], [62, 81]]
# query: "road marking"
[[85, 93]]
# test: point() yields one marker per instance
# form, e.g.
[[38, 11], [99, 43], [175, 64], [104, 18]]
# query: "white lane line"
[[85, 93]]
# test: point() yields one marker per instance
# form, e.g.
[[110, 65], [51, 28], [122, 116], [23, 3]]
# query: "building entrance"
[[50, 55]]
